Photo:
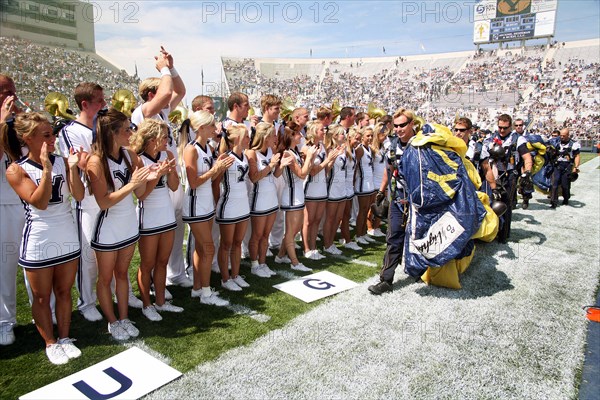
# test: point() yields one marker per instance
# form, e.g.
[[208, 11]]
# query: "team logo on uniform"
[[512, 7]]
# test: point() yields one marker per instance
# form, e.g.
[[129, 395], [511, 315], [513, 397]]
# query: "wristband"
[[174, 72], [165, 71]]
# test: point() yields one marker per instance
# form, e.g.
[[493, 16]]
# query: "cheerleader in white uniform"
[[114, 173], [292, 198], [156, 215], [264, 202], [352, 140], [199, 206], [233, 210], [378, 148], [44, 181], [363, 185], [335, 141], [315, 189]]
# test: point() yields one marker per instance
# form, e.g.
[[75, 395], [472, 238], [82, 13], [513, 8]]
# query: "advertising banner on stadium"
[[507, 20]]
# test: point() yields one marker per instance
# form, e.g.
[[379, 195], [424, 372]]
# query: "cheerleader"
[[233, 210], [363, 184], [44, 182], [292, 198], [156, 215], [315, 189], [114, 173], [263, 197], [199, 207], [336, 187], [353, 139], [378, 149]]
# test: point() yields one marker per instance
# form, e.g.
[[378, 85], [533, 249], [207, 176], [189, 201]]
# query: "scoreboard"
[[508, 20]]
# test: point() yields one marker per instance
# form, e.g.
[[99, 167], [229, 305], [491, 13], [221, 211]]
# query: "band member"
[[160, 96], [77, 135], [44, 182], [115, 173]]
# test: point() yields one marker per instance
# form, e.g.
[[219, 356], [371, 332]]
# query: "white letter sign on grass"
[[128, 375], [316, 286]]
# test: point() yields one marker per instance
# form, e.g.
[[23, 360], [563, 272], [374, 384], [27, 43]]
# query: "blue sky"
[[198, 33]]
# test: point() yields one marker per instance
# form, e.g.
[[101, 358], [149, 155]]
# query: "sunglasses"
[[518, 124], [460, 129], [401, 125], [503, 128]]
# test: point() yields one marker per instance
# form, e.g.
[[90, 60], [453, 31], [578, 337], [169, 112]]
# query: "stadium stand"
[[38, 70], [548, 86]]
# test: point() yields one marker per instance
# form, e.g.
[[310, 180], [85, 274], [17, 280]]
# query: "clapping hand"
[[74, 157]]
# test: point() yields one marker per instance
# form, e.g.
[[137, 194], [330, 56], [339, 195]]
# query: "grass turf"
[[199, 334]]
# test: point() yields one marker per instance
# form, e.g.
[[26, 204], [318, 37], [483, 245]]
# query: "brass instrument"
[[179, 114], [58, 106], [336, 108], [124, 101], [374, 112], [287, 108]]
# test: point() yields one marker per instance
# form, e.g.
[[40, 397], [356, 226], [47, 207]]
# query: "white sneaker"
[[151, 313], [269, 270], [369, 239], [214, 300], [7, 335], [117, 331], [319, 255], [231, 285], [69, 348], [56, 354], [183, 282], [269, 252], [168, 307], [301, 267], [297, 246], [333, 250], [129, 328], [239, 280], [91, 314], [196, 293], [375, 233], [135, 302], [361, 240], [259, 271], [312, 255], [282, 260], [352, 246]]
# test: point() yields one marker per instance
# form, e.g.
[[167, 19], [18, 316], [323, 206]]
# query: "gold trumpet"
[[124, 101], [58, 105], [336, 108], [374, 112], [179, 114], [287, 108]]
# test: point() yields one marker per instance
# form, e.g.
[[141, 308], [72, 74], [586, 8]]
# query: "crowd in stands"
[[39, 70], [531, 82]]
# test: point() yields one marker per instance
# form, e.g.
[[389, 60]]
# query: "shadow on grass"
[[481, 279]]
